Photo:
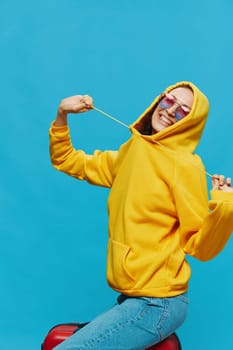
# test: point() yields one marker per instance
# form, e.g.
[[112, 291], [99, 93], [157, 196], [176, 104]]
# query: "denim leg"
[[134, 324]]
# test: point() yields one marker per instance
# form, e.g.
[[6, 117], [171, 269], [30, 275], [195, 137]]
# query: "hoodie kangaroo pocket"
[[118, 274]]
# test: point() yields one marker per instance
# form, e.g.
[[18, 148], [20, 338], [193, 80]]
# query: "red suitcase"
[[60, 332]]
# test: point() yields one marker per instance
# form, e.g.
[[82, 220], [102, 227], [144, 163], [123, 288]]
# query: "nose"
[[171, 111]]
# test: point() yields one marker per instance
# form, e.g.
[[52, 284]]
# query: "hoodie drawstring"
[[160, 144], [110, 116]]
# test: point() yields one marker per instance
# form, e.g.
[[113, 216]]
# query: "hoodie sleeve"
[[205, 226], [97, 168]]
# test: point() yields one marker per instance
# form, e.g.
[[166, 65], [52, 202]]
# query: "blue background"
[[53, 228]]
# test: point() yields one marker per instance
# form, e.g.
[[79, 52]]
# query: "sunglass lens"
[[167, 102], [181, 113]]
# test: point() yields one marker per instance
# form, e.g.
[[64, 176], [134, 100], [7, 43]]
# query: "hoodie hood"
[[185, 134]]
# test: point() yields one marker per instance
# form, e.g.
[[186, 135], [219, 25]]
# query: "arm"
[[97, 168], [205, 227]]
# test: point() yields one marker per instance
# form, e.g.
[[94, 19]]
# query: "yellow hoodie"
[[158, 203]]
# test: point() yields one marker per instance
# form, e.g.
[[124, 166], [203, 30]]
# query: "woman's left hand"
[[220, 183]]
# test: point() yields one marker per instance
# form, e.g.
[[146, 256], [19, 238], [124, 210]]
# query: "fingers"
[[87, 101], [215, 182], [226, 188], [219, 182]]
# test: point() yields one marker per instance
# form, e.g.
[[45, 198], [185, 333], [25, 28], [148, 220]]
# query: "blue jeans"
[[134, 323]]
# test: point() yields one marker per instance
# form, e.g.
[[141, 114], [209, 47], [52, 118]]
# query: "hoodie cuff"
[[59, 128], [221, 195]]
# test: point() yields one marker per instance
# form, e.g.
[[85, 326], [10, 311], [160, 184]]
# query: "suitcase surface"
[[60, 332]]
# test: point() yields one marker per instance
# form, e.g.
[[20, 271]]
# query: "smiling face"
[[179, 103]]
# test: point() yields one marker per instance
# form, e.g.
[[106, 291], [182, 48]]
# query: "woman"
[[158, 212]]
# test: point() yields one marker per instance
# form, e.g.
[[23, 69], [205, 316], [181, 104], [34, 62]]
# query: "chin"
[[156, 128], [156, 125]]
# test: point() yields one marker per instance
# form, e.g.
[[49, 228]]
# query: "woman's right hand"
[[73, 104]]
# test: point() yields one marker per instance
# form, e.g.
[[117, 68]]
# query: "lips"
[[164, 120]]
